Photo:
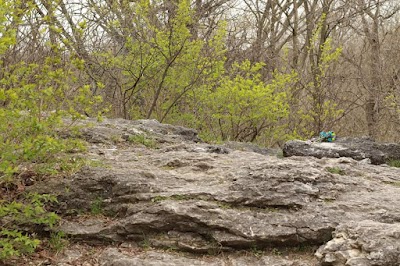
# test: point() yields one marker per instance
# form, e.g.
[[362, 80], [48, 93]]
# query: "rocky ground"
[[156, 195]]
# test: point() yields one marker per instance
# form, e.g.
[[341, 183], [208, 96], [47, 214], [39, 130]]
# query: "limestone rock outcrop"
[[180, 194]]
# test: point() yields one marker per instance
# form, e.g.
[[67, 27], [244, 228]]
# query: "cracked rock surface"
[[167, 190]]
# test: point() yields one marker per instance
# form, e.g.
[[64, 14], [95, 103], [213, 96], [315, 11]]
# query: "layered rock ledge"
[[179, 201], [356, 148]]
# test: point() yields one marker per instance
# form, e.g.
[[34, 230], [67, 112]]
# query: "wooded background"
[[246, 70]]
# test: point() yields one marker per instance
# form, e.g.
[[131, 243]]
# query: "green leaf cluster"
[[19, 214], [35, 98], [142, 139], [31, 119], [242, 107]]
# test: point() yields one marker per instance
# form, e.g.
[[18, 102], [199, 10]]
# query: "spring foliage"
[[14, 242], [243, 107], [34, 97]]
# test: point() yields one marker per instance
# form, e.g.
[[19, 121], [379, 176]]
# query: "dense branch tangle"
[[161, 58]]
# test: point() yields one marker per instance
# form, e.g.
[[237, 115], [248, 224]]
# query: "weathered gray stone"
[[362, 243], [356, 148], [200, 198], [112, 130], [251, 147]]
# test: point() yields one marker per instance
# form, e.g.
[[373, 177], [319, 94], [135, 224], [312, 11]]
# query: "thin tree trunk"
[[372, 102]]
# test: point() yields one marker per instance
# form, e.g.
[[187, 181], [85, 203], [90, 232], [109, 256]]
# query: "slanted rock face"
[[356, 148], [182, 194]]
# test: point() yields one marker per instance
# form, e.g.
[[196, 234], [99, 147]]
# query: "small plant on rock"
[[394, 163], [336, 170], [96, 207], [159, 198], [142, 139], [145, 244], [276, 252], [257, 252], [57, 241]]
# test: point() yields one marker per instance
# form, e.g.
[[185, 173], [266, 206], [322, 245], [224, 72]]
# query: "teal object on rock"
[[329, 136]]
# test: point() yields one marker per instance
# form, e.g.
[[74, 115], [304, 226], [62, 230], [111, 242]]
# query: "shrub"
[[34, 98], [245, 108]]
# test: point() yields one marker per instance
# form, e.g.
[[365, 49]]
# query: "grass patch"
[[159, 198], [224, 206], [116, 139], [180, 197], [96, 207], [336, 170], [143, 140], [145, 244], [328, 200], [394, 183], [167, 167], [280, 155], [394, 163], [97, 163], [57, 241], [256, 251]]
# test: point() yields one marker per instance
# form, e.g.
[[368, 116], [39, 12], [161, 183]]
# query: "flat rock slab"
[[356, 148]]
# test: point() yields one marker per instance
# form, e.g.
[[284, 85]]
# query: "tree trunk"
[[374, 94]]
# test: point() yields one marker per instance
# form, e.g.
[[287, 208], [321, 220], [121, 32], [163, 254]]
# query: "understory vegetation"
[[35, 96], [251, 71]]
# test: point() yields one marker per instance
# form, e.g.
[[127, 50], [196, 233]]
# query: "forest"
[[235, 70], [244, 70]]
